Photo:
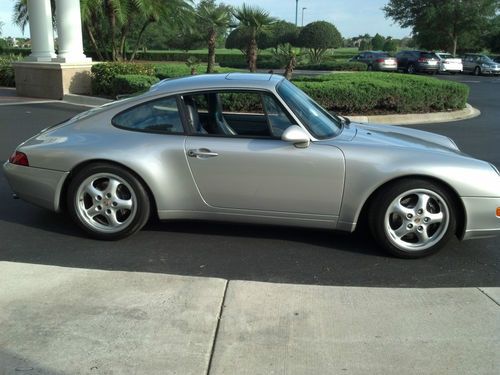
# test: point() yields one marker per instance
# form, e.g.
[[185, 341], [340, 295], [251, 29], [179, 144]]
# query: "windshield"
[[445, 55], [487, 59], [319, 122]]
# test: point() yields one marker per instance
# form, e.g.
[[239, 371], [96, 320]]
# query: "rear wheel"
[[411, 69], [412, 218], [369, 68], [108, 202], [477, 71]]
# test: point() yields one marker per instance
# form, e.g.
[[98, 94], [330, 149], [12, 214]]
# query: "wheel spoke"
[[401, 210], [423, 237], [112, 186], [112, 219], [435, 218], [91, 190], [123, 204], [402, 231], [423, 201], [92, 211]]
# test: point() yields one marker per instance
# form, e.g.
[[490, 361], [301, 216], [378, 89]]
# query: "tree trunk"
[[112, 25], [290, 67], [94, 43], [139, 38], [455, 43], [123, 39], [212, 37], [252, 53]]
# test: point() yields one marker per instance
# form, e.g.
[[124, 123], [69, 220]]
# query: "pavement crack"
[[219, 318], [487, 295]]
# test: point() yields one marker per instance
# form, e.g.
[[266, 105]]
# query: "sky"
[[351, 17]]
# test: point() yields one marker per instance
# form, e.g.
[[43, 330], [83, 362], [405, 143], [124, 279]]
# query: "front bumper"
[[490, 70], [39, 186], [481, 219]]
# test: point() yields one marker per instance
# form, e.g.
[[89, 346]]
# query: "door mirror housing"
[[296, 135]]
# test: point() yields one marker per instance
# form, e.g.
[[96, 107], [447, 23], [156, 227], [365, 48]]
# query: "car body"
[[254, 148], [449, 63], [417, 61], [479, 64], [377, 60]]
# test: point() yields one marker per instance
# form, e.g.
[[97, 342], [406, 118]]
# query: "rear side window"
[[161, 115], [427, 55]]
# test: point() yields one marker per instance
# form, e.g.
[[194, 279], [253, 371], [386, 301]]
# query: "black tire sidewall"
[[143, 204], [385, 197]]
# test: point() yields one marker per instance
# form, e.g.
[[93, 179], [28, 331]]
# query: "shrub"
[[103, 74], [7, 71], [335, 65], [369, 93], [163, 71], [318, 37], [131, 83]]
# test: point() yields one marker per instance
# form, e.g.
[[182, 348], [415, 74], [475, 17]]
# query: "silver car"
[[254, 148], [480, 64]]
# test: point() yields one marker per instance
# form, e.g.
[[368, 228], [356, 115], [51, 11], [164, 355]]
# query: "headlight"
[[485, 65]]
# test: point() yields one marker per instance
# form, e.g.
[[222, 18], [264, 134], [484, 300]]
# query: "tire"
[[411, 69], [477, 71], [369, 68], [107, 202], [412, 218]]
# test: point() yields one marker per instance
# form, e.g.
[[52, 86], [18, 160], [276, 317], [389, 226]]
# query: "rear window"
[[427, 55]]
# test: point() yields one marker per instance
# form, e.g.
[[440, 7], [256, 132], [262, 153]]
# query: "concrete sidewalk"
[[56, 320]]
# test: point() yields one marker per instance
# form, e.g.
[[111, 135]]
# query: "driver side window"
[[236, 113]]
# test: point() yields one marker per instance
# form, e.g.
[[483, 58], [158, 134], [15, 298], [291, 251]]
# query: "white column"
[[69, 32], [41, 33]]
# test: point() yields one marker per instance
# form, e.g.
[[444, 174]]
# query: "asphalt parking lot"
[[249, 252]]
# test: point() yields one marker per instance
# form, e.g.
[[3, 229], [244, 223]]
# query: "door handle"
[[202, 153]]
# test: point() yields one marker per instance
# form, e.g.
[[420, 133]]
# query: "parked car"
[[254, 148], [478, 64], [449, 63], [377, 60], [417, 61]]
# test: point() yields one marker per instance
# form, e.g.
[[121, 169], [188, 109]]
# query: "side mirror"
[[296, 135]]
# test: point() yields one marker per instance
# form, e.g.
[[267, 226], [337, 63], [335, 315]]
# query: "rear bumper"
[[481, 219], [41, 187]]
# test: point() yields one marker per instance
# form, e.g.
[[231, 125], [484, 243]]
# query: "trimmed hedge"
[[335, 65], [163, 71], [7, 77], [372, 93], [132, 83], [103, 75]]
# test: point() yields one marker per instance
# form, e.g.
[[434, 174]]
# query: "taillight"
[[423, 59], [380, 60], [19, 158]]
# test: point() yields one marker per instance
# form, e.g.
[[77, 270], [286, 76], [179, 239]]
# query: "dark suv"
[[417, 61]]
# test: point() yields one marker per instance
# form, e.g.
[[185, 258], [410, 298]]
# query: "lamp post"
[[303, 15], [296, 11]]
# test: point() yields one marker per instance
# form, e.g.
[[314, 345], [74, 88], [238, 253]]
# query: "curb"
[[420, 118], [407, 119]]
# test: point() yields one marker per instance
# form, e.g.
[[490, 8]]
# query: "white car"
[[448, 63]]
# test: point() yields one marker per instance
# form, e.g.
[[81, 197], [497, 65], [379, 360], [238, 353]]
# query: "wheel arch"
[[362, 218], [77, 168]]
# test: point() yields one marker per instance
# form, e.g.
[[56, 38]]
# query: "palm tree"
[[213, 19], [252, 21]]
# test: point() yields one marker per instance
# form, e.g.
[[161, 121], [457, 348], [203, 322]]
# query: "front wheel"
[[412, 218], [108, 202], [477, 71]]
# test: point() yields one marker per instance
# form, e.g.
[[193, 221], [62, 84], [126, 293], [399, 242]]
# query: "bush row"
[[104, 76], [7, 71], [369, 93]]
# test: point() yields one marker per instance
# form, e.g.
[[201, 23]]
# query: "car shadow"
[[239, 252]]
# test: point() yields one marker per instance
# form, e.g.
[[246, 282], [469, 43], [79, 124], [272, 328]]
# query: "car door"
[[262, 173]]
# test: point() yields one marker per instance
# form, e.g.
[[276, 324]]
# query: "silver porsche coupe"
[[254, 148]]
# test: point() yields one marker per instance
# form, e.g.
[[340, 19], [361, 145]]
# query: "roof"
[[217, 81]]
